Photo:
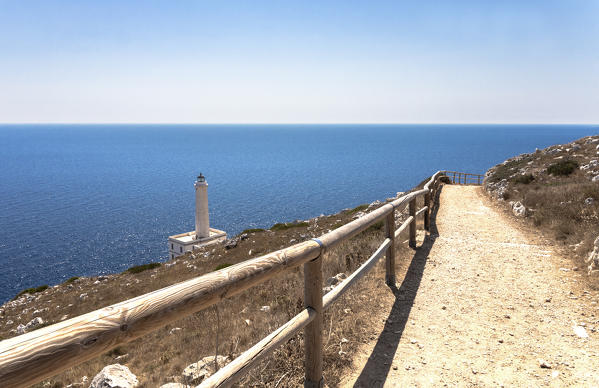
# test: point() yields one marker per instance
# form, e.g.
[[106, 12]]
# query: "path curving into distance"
[[484, 303]]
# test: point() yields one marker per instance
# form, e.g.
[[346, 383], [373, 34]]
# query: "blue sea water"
[[94, 199]]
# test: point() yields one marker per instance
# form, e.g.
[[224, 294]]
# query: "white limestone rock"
[[519, 209], [196, 373], [592, 261], [173, 385], [265, 309], [580, 331], [35, 322], [114, 376]]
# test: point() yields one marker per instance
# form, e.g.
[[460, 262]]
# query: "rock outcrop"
[[34, 323], [519, 209], [114, 376], [198, 371], [593, 260]]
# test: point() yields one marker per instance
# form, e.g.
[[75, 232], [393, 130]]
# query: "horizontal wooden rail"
[[32, 357], [336, 292], [228, 375], [403, 226], [419, 212], [237, 368]]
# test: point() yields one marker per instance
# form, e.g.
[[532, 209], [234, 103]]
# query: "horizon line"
[[292, 123]]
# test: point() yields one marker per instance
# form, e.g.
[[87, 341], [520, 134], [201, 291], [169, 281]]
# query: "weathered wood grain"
[[412, 209], [31, 357], [313, 331], [390, 254], [427, 205]]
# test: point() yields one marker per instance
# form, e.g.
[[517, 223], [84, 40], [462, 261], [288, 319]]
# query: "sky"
[[299, 62]]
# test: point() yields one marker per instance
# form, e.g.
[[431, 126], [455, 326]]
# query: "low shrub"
[[562, 168], [252, 230], [143, 267], [221, 266], [524, 179], [359, 208], [288, 225], [33, 290], [71, 280], [378, 226]]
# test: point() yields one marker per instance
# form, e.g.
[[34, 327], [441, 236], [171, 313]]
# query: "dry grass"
[[555, 190], [161, 356]]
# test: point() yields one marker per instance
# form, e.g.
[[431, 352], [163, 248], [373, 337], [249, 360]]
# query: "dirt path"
[[482, 303]]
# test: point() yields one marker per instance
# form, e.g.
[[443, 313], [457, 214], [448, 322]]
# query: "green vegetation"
[[221, 266], [359, 208], [563, 168], [143, 267], [524, 179], [71, 280], [32, 290], [252, 230], [504, 171], [378, 226], [288, 225]]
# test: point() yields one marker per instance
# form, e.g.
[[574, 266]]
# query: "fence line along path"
[[32, 357]]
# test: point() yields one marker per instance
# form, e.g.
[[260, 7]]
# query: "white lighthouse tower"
[[202, 216], [203, 233]]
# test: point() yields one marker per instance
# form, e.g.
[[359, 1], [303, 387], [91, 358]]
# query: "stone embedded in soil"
[[114, 376], [580, 331], [198, 371]]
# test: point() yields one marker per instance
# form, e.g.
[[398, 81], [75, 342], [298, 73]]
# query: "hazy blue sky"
[[281, 61]]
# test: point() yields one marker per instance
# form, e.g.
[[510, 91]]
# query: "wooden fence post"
[[390, 254], [313, 331], [412, 208], [453, 181], [427, 212]]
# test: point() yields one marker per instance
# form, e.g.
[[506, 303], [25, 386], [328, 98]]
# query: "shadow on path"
[[374, 373]]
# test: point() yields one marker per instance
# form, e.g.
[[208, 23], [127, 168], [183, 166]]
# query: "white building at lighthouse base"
[[180, 244]]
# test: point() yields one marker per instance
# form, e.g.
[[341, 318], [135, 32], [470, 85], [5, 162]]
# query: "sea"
[[85, 200]]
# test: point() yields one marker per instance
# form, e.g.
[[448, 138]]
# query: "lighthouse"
[[203, 234], [202, 216]]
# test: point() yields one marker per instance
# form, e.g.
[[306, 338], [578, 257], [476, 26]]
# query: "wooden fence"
[[35, 356], [462, 178]]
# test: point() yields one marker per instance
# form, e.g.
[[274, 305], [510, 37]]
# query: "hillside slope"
[[556, 190]]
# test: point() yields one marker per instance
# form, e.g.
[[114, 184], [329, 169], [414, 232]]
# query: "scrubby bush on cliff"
[[563, 168]]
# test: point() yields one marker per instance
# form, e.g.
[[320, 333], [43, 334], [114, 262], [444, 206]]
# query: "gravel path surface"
[[484, 303]]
